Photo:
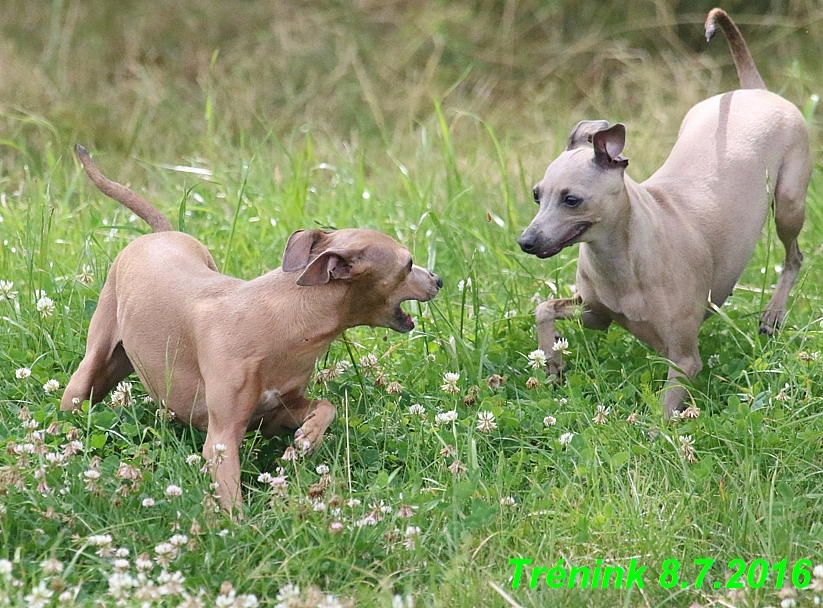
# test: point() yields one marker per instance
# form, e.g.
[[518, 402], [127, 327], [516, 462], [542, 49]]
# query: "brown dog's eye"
[[409, 265], [536, 193]]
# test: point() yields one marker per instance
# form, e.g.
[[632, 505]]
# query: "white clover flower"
[[510, 314], [265, 477], [561, 345], [602, 414], [178, 540], [288, 593], [508, 501], [342, 366], [412, 534], [353, 502], [486, 422], [369, 361], [537, 359], [633, 418], [415, 409], [322, 469], [51, 566], [86, 276], [320, 507], [51, 386], [445, 417], [121, 564], [45, 306], [714, 360], [120, 583], [461, 285], [193, 459], [7, 290], [450, 383], [566, 438], [39, 596], [686, 448], [329, 602], [549, 420], [5, 567], [335, 527], [122, 552], [22, 372], [174, 491], [92, 474], [290, 454]]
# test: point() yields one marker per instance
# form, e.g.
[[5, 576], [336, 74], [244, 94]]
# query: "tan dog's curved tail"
[[746, 69], [144, 209]]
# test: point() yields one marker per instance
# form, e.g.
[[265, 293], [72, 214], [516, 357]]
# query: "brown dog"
[[227, 355], [653, 255]]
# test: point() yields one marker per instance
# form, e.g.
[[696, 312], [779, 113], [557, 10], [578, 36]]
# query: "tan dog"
[[227, 355], [653, 255]]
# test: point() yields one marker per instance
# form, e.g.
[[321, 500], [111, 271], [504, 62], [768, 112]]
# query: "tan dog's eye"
[[536, 194], [409, 265]]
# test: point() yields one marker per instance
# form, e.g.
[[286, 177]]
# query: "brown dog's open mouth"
[[402, 320], [570, 238]]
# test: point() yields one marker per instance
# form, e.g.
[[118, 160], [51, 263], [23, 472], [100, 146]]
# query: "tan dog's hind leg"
[[105, 362], [310, 418], [789, 213]]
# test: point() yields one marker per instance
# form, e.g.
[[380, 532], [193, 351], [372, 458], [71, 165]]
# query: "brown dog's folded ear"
[[325, 267], [298, 249], [608, 144], [583, 132]]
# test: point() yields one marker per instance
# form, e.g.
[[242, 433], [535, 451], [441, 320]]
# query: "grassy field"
[[430, 122]]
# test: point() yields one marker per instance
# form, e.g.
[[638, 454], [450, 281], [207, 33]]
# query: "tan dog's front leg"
[[310, 418], [545, 316], [688, 365]]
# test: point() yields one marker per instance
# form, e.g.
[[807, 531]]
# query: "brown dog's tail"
[[143, 208], [746, 69]]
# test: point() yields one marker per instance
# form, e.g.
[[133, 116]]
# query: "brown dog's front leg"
[[310, 418]]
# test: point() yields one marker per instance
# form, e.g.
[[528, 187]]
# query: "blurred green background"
[[123, 75]]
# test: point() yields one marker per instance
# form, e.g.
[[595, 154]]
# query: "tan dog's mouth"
[[571, 237]]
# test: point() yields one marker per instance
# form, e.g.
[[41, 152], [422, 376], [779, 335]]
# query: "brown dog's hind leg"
[[789, 214], [105, 362]]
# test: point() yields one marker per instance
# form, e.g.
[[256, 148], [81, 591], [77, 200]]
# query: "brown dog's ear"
[[327, 266], [608, 144], [583, 132], [298, 249]]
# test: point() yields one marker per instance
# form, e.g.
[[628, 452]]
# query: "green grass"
[[451, 179]]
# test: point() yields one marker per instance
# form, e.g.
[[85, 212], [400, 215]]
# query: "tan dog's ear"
[[608, 144], [583, 132], [327, 266], [298, 249]]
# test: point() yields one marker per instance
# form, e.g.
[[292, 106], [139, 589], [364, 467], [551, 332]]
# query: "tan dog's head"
[[378, 270], [579, 193]]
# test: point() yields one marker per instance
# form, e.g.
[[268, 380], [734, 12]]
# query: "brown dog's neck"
[[316, 314]]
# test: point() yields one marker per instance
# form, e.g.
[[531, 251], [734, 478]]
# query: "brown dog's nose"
[[438, 281]]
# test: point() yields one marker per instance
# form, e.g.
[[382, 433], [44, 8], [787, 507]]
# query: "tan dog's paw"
[[771, 320], [557, 368]]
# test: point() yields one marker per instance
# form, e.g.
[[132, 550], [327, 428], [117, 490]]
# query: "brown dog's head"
[[378, 269], [579, 194]]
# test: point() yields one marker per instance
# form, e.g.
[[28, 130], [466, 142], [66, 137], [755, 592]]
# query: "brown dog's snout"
[[437, 281]]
